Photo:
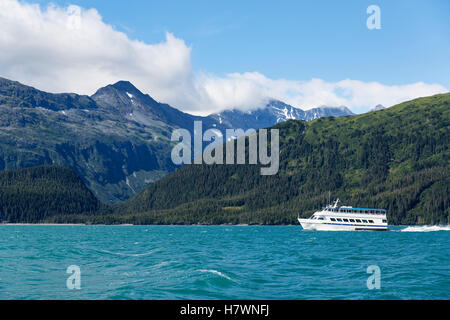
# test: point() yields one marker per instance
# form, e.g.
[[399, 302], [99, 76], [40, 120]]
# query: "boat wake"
[[426, 228]]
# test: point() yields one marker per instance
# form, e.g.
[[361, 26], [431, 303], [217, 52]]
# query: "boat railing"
[[355, 211]]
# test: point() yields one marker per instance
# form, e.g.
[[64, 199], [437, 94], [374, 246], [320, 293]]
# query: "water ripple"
[[222, 262]]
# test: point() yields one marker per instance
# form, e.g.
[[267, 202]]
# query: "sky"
[[206, 56]]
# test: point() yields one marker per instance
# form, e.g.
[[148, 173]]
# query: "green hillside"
[[36, 194], [397, 159]]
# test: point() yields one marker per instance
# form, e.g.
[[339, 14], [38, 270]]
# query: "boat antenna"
[[336, 203]]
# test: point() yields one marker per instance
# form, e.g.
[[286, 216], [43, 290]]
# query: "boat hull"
[[309, 224]]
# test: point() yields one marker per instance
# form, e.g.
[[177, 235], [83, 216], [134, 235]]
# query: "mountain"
[[36, 194], [117, 144], [125, 99], [274, 112], [324, 111], [397, 159], [117, 140], [13, 93], [377, 108]]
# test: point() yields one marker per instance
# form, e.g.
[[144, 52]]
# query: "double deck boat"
[[345, 218]]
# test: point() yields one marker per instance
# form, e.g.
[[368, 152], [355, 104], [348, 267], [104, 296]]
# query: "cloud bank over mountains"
[[71, 49]]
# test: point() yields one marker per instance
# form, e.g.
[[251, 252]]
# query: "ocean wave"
[[426, 228], [163, 264], [130, 254], [216, 273]]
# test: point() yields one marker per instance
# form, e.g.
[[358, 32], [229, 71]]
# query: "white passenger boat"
[[344, 218]]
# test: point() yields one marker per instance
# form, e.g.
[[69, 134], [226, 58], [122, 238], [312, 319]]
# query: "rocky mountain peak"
[[378, 107]]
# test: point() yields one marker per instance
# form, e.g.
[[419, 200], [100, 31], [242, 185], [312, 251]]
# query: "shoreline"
[[43, 224], [193, 225]]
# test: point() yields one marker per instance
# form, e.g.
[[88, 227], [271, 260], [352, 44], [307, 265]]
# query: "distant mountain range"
[[275, 112], [117, 140]]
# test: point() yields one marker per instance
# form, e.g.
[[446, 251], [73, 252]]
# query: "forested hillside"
[[38, 193], [397, 159]]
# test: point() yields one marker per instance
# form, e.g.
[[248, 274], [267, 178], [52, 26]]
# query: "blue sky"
[[297, 39], [203, 56]]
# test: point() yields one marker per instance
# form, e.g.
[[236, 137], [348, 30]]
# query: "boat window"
[[333, 219], [351, 220], [345, 220], [370, 221], [357, 220], [384, 220], [339, 219], [320, 218], [365, 221]]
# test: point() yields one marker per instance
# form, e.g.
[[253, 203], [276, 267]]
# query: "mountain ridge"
[[117, 140]]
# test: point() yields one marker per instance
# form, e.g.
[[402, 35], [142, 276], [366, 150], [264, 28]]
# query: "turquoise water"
[[222, 262]]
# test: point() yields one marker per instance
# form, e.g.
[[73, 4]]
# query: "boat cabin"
[[355, 210]]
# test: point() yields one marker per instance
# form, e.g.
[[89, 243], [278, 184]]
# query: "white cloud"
[[248, 90], [71, 49]]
